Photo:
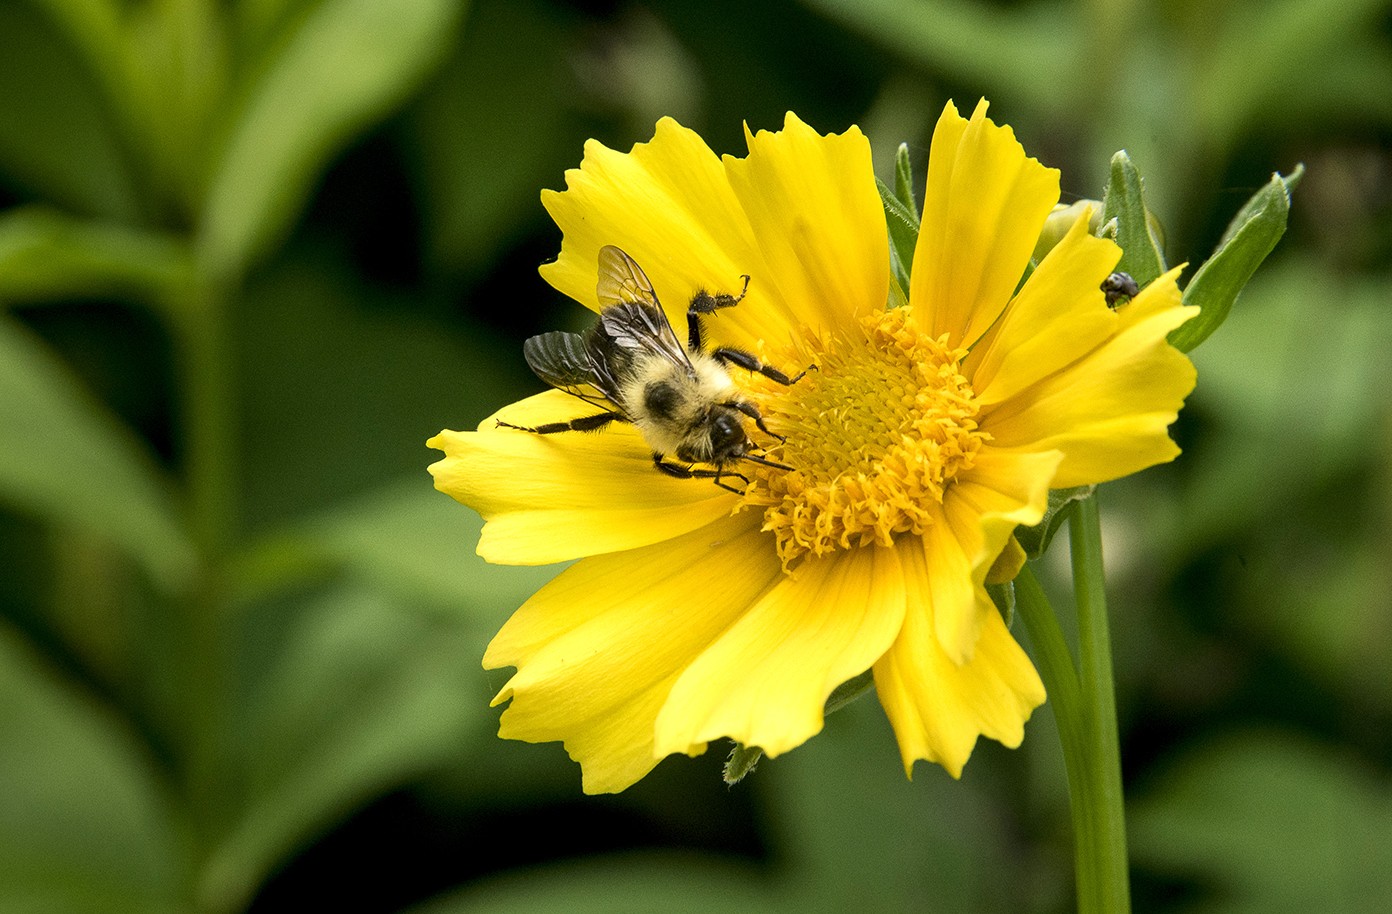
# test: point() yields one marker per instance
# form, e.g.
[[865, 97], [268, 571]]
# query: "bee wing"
[[562, 361], [630, 314]]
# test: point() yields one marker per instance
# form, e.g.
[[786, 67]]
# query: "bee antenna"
[[764, 461]]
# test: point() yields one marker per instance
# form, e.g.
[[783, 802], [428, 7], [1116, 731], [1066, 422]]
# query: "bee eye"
[[726, 432]]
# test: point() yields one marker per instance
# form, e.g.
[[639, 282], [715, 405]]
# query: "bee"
[[1118, 286], [632, 366]]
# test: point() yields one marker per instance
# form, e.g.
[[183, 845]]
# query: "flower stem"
[[1084, 707], [1103, 748]]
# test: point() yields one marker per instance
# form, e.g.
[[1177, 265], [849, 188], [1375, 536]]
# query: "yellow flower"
[[925, 436]]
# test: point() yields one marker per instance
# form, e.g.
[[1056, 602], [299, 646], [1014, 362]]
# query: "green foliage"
[[235, 615], [1276, 823], [1251, 236], [79, 466], [1126, 219]]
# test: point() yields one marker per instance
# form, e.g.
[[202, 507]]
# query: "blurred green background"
[[253, 254]]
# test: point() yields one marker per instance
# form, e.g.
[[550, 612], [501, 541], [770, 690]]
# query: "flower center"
[[875, 434]]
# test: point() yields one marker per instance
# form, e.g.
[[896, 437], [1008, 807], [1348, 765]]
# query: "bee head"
[[727, 438]]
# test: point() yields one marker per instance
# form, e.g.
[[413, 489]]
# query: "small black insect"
[[1118, 287]]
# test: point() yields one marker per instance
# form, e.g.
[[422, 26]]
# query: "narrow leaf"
[[342, 67], [66, 459], [360, 695], [46, 255], [1220, 280], [1124, 202], [85, 827]]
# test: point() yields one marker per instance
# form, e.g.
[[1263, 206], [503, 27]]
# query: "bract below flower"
[[925, 436]]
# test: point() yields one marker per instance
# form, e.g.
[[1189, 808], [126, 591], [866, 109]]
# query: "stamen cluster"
[[874, 437]]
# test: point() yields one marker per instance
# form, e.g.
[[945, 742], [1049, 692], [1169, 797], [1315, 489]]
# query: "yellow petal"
[[1109, 411], [983, 207], [1059, 316], [980, 511], [939, 707], [668, 203], [597, 649], [765, 681], [819, 222], [551, 498]]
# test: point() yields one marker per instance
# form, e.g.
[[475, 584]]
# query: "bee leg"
[[752, 411], [583, 424], [749, 362], [704, 303], [683, 472]]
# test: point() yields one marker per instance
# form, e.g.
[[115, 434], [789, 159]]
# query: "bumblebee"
[[632, 366]]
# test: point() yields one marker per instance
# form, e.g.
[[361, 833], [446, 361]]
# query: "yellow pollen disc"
[[875, 434]]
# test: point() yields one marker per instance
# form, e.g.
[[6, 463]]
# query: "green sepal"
[[1003, 595], [901, 219], [1035, 540], [1126, 220], [743, 760], [849, 691], [903, 181], [1249, 238]]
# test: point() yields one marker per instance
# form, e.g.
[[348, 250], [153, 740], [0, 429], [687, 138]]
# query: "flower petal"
[[1109, 411], [818, 220], [551, 498], [1059, 315], [597, 649], [980, 511], [668, 203], [939, 707], [765, 681], [984, 204]]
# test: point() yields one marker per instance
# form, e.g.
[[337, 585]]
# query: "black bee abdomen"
[[661, 399]]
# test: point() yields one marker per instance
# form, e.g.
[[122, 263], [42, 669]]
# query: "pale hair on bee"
[[633, 367]]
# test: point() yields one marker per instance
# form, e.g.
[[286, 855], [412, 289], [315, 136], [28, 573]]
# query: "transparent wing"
[[563, 361], [631, 318]]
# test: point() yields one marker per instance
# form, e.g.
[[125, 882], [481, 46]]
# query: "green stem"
[[1085, 709], [210, 480], [1099, 701]]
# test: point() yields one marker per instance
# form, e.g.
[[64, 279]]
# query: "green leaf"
[[406, 538], [85, 825], [57, 137], [1270, 823], [66, 459], [1124, 202], [495, 124], [358, 696], [1035, 540], [339, 69], [46, 255], [1029, 53], [1249, 238]]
